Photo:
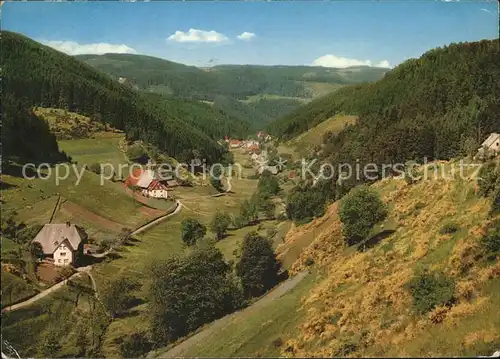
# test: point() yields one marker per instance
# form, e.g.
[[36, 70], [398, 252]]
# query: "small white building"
[[156, 190], [491, 146], [60, 242]]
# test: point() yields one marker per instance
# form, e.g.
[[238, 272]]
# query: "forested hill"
[[235, 81], [36, 75], [441, 105]]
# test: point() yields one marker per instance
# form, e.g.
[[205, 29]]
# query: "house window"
[[63, 254], [66, 261], [60, 261]]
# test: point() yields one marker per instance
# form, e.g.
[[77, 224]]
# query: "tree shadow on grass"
[[16, 170], [374, 240]]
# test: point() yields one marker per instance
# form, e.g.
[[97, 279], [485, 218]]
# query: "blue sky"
[[336, 33]]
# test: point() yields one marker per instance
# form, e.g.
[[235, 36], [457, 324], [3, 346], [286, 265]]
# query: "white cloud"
[[74, 48], [194, 35], [488, 11], [246, 36], [343, 62]]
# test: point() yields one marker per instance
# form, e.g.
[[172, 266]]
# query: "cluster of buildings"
[[252, 146]]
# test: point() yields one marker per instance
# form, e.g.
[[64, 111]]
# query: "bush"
[[135, 345], [495, 203], [220, 223], [488, 179], [258, 267], [359, 211], [303, 204], [491, 241], [189, 291], [309, 262], [96, 168], [192, 230], [449, 228], [116, 295], [430, 290]]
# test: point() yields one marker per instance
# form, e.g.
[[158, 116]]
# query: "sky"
[[206, 33]]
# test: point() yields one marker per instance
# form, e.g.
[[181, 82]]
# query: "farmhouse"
[[62, 243], [147, 181], [491, 146]]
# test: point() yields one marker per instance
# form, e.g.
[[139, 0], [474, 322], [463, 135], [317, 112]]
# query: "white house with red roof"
[[147, 181]]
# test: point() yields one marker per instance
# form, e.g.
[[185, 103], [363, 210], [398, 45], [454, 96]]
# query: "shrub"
[[359, 211], [309, 262], [491, 241], [305, 204], [489, 178], [192, 230], [116, 295], [135, 345], [411, 173], [430, 290], [449, 228], [189, 291], [258, 267], [495, 203], [96, 168], [220, 223]]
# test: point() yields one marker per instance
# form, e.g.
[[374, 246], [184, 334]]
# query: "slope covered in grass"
[[307, 141], [358, 302]]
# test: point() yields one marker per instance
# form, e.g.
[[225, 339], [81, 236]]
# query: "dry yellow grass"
[[363, 308]]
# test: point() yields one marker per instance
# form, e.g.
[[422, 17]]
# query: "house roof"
[[140, 177], [172, 183], [156, 185], [52, 235], [491, 140]]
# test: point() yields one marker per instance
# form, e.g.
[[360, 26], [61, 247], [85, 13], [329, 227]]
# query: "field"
[[164, 240], [317, 89], [256, 98], [115, 209], [104, 149]]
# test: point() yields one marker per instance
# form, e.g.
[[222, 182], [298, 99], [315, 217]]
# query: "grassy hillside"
[[36, 75], [439, 106], [357, 303], [306, 142]]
